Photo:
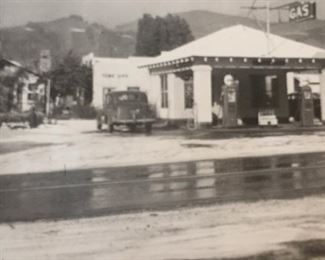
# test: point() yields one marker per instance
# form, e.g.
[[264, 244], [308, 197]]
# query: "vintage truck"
[[130, 108]]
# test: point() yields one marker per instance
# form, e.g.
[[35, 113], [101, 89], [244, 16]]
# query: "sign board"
[[267, 117], [45, 61], [301, 11]]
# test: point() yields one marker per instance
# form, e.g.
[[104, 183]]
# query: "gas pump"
[[229, 95], [307, 106]]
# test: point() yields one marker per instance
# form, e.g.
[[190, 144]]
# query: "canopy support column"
[[202, 88], [322, 94], [176, 96]]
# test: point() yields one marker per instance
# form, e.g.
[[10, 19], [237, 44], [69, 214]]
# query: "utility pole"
[[1, 19], [45, 63], [268, 26]]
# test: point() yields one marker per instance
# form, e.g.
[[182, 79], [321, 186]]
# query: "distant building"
[[31, 92], [112, 74]]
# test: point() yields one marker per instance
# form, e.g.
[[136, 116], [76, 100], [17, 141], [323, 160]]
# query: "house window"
[[164, 91], [32, 87], [188, 91], [32, 96]]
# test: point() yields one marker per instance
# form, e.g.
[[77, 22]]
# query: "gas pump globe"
[[307, 105], [230, 101]]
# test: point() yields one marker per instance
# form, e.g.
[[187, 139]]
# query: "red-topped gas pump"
[[229, 99], [307, 105]]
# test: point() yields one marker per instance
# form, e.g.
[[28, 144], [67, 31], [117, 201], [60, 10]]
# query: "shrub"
[[84, 112], [22, 117]]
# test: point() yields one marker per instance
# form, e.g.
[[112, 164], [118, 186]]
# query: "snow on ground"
[[215, 232], [231, 230], [76, 144]]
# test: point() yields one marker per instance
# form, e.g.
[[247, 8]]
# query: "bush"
[[14, 117], [84, 112], [22, 117]]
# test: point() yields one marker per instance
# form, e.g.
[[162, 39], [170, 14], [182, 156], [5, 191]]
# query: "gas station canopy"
[[242, 46]]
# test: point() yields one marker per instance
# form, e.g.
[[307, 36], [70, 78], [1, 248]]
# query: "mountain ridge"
[[73, 33]]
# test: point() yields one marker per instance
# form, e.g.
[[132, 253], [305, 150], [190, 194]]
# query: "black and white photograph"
[[162, 129]]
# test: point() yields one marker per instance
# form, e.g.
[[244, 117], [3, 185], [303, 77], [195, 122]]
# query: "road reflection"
[[112, 190]]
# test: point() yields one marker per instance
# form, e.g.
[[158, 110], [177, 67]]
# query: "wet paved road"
[[114, 190]]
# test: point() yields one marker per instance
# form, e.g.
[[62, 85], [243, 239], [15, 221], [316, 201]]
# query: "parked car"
[[130, 108]]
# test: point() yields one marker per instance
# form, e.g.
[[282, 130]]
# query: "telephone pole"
[[268, 26]]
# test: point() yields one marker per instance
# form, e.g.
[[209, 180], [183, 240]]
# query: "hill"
[[73, 33], [206, 22], [201, 22], [311, 32], [62, 36]]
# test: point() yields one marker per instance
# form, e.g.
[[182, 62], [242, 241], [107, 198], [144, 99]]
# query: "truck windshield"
[[132, 97]]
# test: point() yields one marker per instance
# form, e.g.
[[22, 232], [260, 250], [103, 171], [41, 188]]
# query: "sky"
[[111, 12]]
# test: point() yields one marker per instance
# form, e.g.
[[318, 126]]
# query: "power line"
[[267, 30], [251, 8]]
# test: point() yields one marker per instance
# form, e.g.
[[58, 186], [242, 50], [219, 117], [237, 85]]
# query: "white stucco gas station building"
[[188, 80], [248, 54]]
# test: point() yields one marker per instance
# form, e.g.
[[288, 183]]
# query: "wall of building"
[[246, 109], [176, 98], [32, 92], [118, 74]]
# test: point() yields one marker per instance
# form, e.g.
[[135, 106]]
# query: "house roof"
[[242, 41], [6, 62]]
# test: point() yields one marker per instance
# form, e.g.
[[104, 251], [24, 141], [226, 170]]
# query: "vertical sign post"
[[45, 64], [48, 97]]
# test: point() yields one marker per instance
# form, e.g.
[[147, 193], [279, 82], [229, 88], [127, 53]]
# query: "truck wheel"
[[148, 128], [111, 128]]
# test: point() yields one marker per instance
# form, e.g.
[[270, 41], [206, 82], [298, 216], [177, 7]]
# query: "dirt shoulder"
[[279, 229]]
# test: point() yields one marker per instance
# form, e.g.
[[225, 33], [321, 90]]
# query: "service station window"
[[133, 88], [264, 90], [188, 91], [164, 91], [270, 85]]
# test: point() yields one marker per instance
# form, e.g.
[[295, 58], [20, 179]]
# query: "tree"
[[161, 34], [178, 32], [147, 36], [71, 78]]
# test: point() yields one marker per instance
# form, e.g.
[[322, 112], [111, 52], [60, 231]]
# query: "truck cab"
[[130, 108]]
